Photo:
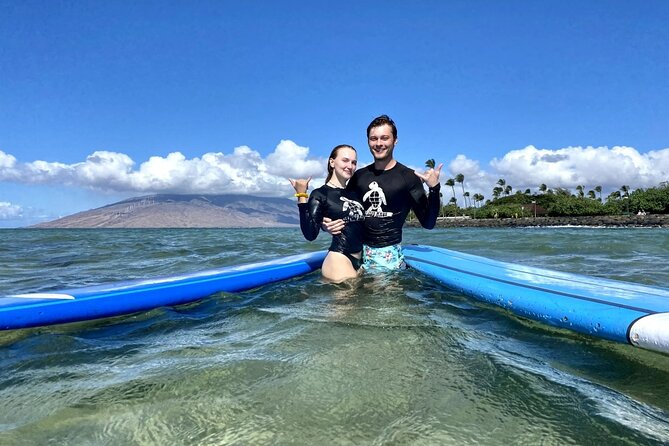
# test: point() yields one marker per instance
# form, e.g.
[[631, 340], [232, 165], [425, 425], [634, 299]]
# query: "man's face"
[[381, 142]]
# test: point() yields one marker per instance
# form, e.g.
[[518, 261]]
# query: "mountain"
[[186, 211]]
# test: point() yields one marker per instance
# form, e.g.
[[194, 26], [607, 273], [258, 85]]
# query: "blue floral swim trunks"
[[388, 257]]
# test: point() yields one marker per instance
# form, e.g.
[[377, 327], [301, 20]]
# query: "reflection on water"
[[386, 359]]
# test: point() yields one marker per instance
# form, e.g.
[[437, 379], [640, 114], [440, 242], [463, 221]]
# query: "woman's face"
[[345, 163]]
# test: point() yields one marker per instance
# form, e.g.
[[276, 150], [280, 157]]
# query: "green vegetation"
[[562, 203], [556, 202]]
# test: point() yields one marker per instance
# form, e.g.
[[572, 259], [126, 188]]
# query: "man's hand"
[[431, 177], [333, 227]]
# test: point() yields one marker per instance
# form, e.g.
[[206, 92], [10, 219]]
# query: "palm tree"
[[615, 195], [507, 190], [451, 182], [598, 189], [580, 188], [497, 191], [591, 194], [430, 163], [626, 194], [460, 178], [543, 188], [466, 195], [481, 198], [454, 202]]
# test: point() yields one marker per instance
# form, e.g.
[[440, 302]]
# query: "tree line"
[[554, 202]]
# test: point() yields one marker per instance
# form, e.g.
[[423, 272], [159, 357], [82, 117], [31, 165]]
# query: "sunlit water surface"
[[395, 359]]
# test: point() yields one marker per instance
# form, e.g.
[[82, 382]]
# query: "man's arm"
[[427, 208]]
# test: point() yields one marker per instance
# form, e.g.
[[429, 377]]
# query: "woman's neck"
[[336, 182]]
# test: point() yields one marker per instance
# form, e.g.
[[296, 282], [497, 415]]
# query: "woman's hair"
[[382, 120], [333, 155]]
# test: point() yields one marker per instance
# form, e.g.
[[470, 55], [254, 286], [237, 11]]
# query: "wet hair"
[[333, 155], [382, 120]]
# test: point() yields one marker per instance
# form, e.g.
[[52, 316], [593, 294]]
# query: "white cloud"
[[9, 211], [243, 171], [565, 168], [462, 164], [290, 160], [7, 161], [588, 166]]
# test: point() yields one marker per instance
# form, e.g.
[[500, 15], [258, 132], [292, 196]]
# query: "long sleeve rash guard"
[[334, 203], [387, 197]]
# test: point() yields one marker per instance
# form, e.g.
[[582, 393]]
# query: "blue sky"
[[101, 101]]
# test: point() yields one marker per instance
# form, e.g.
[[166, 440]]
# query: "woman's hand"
[[301, 185]]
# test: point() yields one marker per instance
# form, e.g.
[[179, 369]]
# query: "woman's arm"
[[311, 215]]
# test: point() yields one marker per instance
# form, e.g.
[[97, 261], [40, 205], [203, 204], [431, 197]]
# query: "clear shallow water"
[[385, 360]]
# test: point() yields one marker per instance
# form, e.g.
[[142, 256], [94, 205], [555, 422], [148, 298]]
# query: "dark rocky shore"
[[628, 221]]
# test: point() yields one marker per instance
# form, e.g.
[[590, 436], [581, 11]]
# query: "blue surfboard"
[[615, 310], [56, 307]]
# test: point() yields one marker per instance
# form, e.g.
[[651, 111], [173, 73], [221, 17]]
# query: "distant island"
[[246, 211], [186, 211]]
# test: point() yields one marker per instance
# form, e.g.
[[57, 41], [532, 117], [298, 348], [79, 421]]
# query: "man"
[[389, 190]]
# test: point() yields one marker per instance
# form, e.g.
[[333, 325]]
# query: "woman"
[[332, 200]]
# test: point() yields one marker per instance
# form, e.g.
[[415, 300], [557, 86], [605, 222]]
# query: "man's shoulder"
[[407, 173], [401, 167], [363, 171]]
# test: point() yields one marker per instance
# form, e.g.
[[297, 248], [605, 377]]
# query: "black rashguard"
[[387, 196], [333, 203]]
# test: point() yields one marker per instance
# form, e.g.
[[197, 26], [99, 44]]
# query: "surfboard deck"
[[615, 310], [79, 304], [610, 309]]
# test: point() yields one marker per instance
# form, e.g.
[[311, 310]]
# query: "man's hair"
[[382, 120]]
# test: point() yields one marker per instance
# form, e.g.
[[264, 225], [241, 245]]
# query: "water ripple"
[[392, 359]]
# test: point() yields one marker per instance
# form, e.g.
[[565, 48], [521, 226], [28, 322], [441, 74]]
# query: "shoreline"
[[609, 221]]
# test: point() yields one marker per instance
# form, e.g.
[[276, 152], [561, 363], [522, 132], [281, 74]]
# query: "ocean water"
[[395, 359]]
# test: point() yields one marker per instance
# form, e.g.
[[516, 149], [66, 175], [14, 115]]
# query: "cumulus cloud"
[[566, 168], [242, 171], [588, 166], [289, 157], [462, 164], [9, 211], [7, 161], [245, 171]]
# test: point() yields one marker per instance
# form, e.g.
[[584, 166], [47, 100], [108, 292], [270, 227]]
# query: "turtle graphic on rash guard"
[[376, 198], [355, 210]]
